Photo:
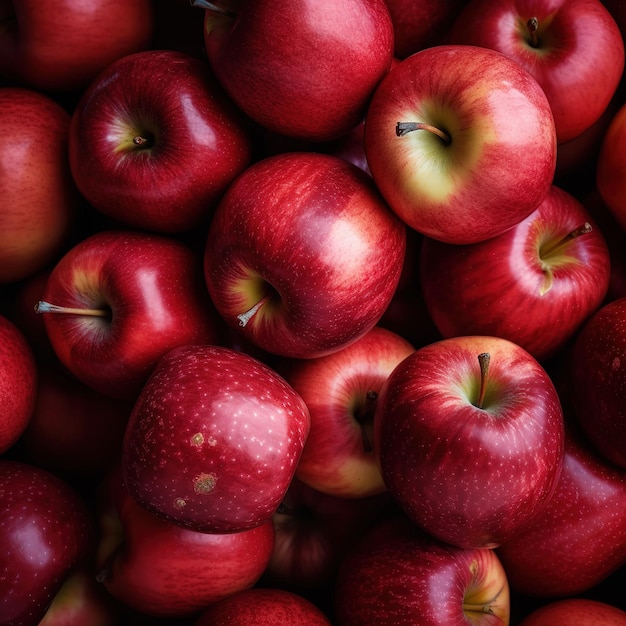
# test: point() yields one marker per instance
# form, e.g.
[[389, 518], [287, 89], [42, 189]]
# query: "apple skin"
[[196, 141], [214, 439], [397, 574], [598, 380], [153, 287], [19, 380], [46, 532], [579, 539], [340, 391], [532, 296], [576, 612], [269, 72], [61, 47], [263, 607], [163, 570], [310, 233], [611, 167], [437, 449], [576, 38], [497, 167], [38, 194]]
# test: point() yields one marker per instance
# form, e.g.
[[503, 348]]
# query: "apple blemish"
[[204, 483]]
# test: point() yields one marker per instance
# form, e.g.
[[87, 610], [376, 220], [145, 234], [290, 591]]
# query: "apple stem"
[[533, 24], [46, 307], [209, 6], [244, 318], [403, 128], [483, 360], [583, 229], [478, 608]]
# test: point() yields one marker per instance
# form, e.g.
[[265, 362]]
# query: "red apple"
[[579, 539], [118, 300], [341, 390], [469, 435], [263, 607], [397, 574], [45, 535], [214, 439], [611, 167], [154, 142], [162, 569], [18, 384], [576, 612], [301, 68], [598, 380], [573, 48], [303, 255], [461, 142], [62, 46], [39, 198], [535, 284]]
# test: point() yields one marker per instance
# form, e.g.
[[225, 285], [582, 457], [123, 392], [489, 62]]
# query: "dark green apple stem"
[[244, 318], [583, 229], [533, 24], [483, 360], [46, 307], [209, 6], [403, 128]]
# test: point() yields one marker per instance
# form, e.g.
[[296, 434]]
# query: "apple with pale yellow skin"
[[461, 142]]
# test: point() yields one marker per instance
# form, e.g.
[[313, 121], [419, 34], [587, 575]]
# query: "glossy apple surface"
[[39, 198], [576, 612], [341, 390], [303, 255], [154, 142], [565, 44], [311, 79], [551, 272], [61, 47], [46, 533], [579, 539], [446, 150], [397, 574], [470, 454], [18, 383], [214, 439], [127, 298], [598, 380]]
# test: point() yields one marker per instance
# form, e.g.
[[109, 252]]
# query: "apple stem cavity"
[[533, 25], [583, 229], [483, 361], [404, 128], [244, 318], [46, 307], [209, 6]]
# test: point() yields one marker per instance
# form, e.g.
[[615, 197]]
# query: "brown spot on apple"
[[180, 503], [197, 440], [204, 484]]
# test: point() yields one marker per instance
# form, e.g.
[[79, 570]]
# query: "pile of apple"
[[312, 312]]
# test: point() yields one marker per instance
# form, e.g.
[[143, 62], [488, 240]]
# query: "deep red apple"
[[598, 380], [579, 539], [214, 439], [118, 300], [461, 142], [302, 68], [535, 284], [576, 612], [303, 255], [62, 46], [162, 569], [263, 607], [398, 574], [573, 48], [469, 434], [39, 198], [18, 384], [341, 390], [45, 534], [154, 141]]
